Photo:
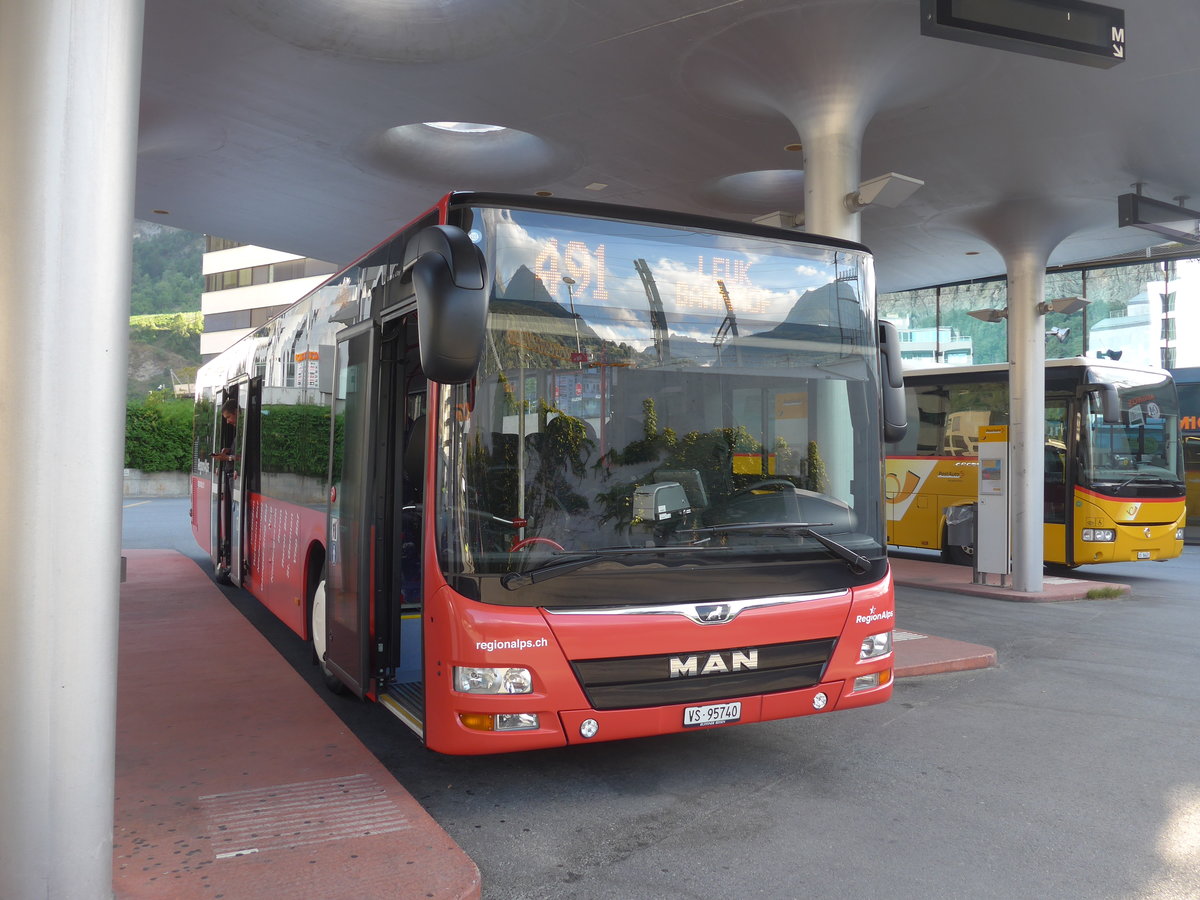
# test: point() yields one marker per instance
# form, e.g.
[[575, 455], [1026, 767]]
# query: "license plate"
[[1143, 554], [712, 714]]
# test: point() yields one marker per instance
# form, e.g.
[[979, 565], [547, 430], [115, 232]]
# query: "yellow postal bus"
[[1187, 381], [1114, 488]]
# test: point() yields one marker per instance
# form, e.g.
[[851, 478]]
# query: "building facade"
[[245, 286]]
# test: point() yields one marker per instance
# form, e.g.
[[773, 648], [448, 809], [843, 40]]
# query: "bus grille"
[[634, 681]]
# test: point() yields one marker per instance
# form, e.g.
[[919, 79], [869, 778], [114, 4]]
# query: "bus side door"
[[348, 564], [245, 474]]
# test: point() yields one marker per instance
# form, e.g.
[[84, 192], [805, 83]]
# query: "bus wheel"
[[958, 554], [317, 628]]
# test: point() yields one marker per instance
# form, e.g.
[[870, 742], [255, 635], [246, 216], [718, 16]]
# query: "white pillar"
[[831, 170], [832, 164], [1025, 230], [69, 77], [1027, 421]]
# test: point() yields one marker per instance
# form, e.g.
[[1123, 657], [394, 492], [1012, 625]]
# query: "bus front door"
[[245, 473], [399, 520], [228, 493], [348, 561]]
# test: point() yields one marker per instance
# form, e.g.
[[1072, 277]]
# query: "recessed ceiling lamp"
[[543, 194], [161, 212], [465, 127], [794, 148]]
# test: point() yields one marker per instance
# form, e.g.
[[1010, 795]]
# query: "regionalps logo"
[[873, 616]]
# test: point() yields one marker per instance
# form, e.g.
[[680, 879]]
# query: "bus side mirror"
[[1110, 402], [450, 280], [891, 381]]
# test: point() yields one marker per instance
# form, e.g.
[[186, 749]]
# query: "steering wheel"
[[530, 541]]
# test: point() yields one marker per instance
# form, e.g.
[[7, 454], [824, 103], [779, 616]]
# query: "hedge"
[[295, 439], [158, 436]]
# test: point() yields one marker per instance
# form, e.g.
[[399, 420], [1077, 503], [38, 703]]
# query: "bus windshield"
[[1143, 449], [653, 396]]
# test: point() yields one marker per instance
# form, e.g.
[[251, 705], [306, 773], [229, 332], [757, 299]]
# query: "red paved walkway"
[[939, 576], [234, 780]]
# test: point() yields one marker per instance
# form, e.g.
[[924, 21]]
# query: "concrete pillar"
[[832, 164], [1025, 230], [69, 77], [832, 161], [1027, 423]]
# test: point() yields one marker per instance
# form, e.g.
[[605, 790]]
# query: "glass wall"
[[1136, 312]]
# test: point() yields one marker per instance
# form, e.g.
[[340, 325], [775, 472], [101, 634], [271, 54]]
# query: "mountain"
[[165, 325], [166, 270]]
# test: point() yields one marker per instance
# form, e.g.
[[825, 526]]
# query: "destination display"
[[1067, 30]]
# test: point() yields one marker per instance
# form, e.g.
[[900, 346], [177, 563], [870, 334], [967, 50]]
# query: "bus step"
[[407, 702]]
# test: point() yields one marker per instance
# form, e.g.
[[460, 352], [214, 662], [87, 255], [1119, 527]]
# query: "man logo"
[[721, 612], [713, 664]]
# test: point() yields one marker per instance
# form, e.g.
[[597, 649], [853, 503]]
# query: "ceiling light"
[[595, 186], [988, 315], [465, 127], [1064, 305], [780, 219], [887, 190]]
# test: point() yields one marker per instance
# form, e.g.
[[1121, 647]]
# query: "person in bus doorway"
[[229, 415], [226, 458]]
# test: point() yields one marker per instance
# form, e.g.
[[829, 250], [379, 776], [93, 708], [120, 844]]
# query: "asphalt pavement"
[[1067, 770]]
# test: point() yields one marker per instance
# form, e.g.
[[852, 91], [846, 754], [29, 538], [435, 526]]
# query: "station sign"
[[1068, 30]]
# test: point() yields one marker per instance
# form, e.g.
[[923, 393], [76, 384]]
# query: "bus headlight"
[[1101, 535], [477, 680], [500, 722], [868, 682], [876, 645], [1179, 534]]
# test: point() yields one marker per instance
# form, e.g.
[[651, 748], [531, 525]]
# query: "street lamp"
[[570, 283]]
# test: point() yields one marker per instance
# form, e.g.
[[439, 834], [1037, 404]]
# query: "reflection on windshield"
[[1144, 447], [644, 386]]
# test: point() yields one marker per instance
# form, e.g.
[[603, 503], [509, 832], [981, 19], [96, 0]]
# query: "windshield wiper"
[[1145, 479], [858, 563], [583, 558]]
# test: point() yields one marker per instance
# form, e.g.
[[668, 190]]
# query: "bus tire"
[[958, 554], [317, 629]]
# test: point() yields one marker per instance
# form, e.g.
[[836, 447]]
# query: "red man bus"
[[536, 472]]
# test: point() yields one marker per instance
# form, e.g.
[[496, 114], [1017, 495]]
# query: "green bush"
[[158, 435], [296, 439]]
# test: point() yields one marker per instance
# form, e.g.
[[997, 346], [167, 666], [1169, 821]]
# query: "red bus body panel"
[[460, 632], [280, 537]]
